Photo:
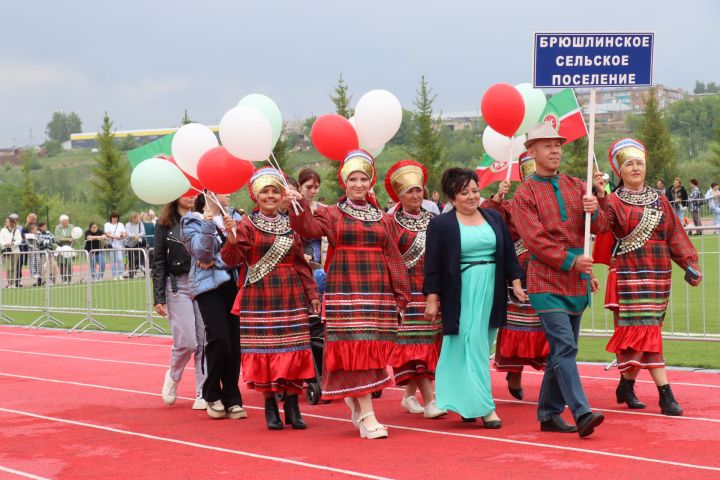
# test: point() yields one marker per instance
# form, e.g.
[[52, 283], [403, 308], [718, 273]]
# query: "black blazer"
[[442, 267]]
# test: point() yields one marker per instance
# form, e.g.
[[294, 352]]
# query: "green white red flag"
[[490, 171], [563, 109]]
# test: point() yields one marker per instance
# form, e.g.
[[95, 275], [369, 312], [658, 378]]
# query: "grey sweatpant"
[[188, 332]]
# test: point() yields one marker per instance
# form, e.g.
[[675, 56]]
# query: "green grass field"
[[120, 306]]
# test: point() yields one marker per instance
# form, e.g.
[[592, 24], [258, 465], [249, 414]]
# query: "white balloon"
[[189, 144], [535, 102], [246, 133], [378, 116], [76, 233], [498, 146]]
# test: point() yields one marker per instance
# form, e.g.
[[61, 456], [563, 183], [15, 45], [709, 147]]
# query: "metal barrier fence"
[[99, 284], [693, 313], [93, 285]]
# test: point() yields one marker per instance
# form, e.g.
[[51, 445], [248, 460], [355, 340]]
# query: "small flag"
[[490, 171], [563, 109]]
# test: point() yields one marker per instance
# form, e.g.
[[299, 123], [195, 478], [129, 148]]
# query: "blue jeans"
[[116, 262], [97, 258], [561, 382]]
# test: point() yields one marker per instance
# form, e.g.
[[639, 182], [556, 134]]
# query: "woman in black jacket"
[[469, 260], [171, 266]]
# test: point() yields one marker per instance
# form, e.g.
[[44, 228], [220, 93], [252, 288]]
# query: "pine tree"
[[111, 174], [655, 134], [30, 201], [341, 99], [426, 143], [186, 119]]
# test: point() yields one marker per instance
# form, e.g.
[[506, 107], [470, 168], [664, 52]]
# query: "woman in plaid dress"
[[367, 291], [649, 237], [273, 299], [522, 340], [417, 349]]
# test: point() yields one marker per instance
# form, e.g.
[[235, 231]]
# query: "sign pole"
[[590, 170]]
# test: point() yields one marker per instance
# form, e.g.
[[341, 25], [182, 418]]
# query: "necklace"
[[276, 218], [356, 206], [415, 216], [646, 196]]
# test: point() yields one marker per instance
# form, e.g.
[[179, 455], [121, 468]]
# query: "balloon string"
[[296, 206]]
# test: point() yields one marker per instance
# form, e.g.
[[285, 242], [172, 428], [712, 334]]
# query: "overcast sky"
[[146, 61]]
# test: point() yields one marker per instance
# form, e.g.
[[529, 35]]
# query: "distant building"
[[612, 105], [455, 121], [89, 139]]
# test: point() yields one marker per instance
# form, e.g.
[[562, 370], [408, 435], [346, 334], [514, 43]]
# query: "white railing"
[[89, 285]]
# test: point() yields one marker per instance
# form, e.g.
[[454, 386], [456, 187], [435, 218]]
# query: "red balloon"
[[220, 172], [334, 136], [503, 108], [194, 182]]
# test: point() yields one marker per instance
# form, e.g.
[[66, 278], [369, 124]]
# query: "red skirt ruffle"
[[640, 338], [271, 368], [518, 344], [428, 354], [357, 354]]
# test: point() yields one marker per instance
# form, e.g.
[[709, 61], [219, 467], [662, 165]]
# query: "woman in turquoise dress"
[[470, 259]]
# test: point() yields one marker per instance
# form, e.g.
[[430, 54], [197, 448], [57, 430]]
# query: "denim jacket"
[[203, 244]]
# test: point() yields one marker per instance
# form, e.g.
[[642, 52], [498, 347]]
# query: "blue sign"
[[593, 60]]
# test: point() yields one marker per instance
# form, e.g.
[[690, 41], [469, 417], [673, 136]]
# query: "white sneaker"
[[169, 389], [411, 404], [199, 404], [431, 410], [236, 412], [216, 409]]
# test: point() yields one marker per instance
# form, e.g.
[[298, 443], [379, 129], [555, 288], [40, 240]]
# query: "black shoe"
[[292, 413], [492, 424], [272, 414], [557, 424], [668, 405], [586, 423], [625, 393], [515, 392], [468, 420]]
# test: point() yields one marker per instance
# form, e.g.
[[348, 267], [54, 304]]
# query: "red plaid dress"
[[522, 340], [273, 312], [367, 281], [551, 222], [418, 342], [638, 285]]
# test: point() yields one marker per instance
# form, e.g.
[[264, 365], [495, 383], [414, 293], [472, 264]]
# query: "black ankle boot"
[[625, 393], [272, 414], [292, 413], [515, 392], [668, 405]]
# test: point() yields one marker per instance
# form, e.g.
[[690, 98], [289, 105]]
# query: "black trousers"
[[65, 265], [222, 350]]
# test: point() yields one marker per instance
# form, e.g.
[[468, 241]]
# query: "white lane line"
[[21, 474], [529, 372], [590, 377], [75, 357], [413, 429], [128, 362], [192, 444], [66, 336]]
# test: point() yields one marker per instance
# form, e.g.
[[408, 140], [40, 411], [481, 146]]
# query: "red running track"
[[88, 406]]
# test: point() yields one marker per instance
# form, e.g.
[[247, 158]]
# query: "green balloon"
[[268, 108], [157, 181]]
